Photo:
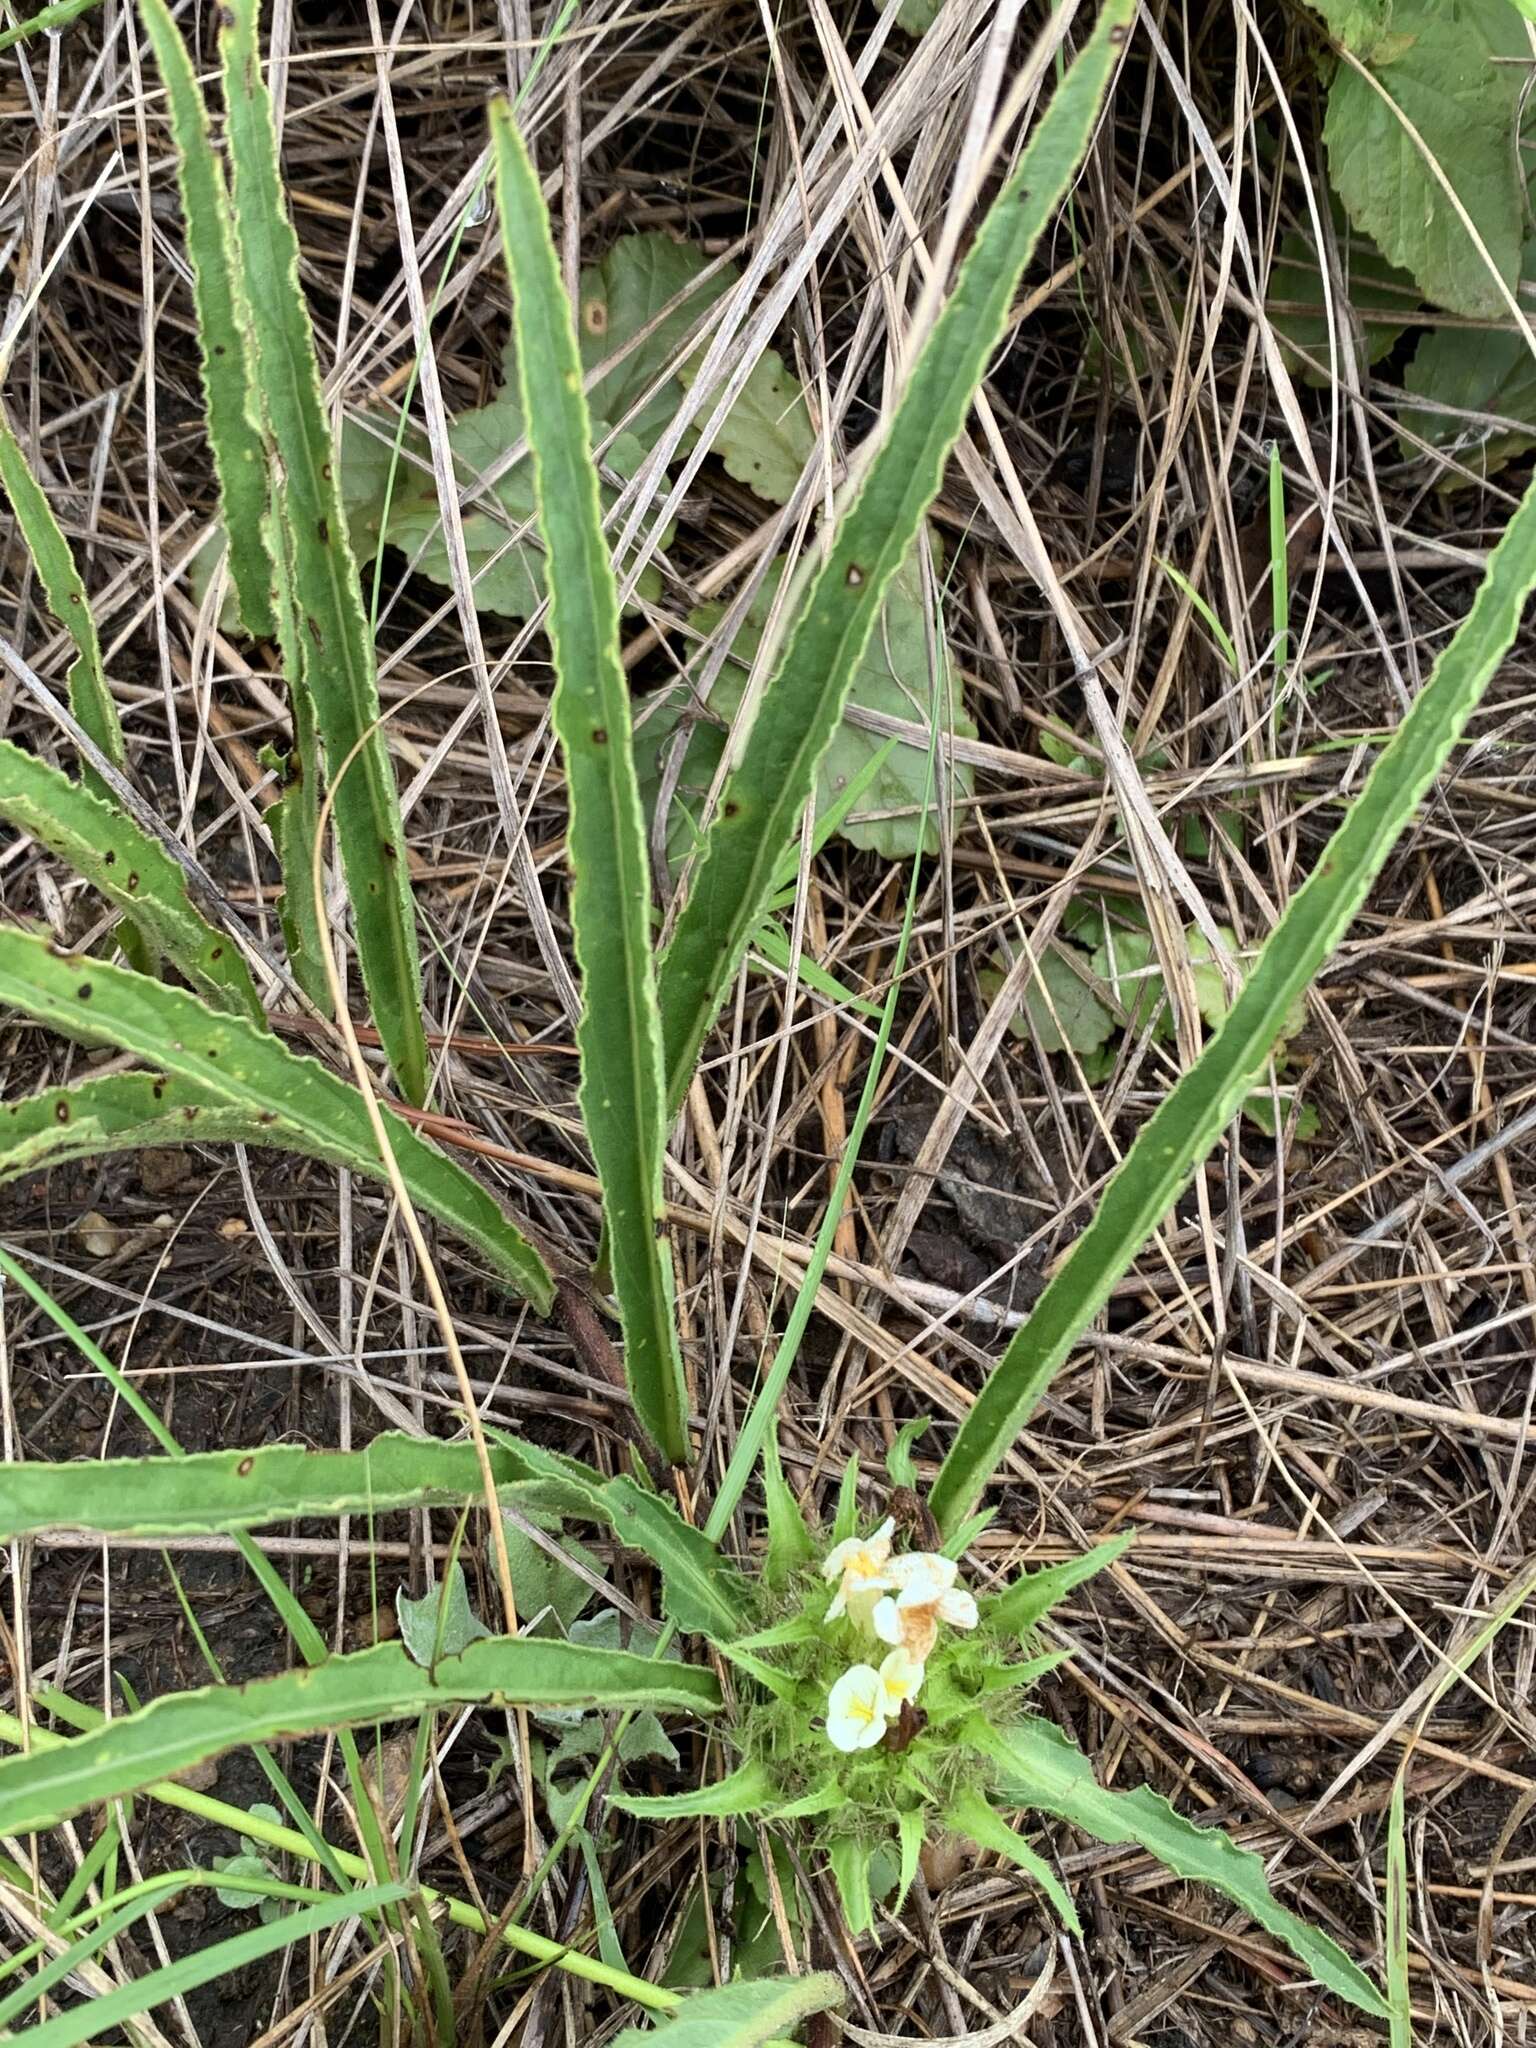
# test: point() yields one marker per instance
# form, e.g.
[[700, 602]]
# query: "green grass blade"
[[1279, 563], [1042, 1769], [331, 626], [745, 2015], [117, 857], [1399, 1989], [1204, 1101], [234, 433], [182, 1729], [289, 1842], [762, 801], [54, 17], [622, 1095], [221, 1075], [89, 697], [207, 1966]]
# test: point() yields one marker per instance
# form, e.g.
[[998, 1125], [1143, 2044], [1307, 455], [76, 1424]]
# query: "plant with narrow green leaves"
[[878, 1703]]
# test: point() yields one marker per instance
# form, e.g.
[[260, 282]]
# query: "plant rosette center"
[[859, 1702]]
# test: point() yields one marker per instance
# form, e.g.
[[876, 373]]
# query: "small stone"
[[96, 1237]]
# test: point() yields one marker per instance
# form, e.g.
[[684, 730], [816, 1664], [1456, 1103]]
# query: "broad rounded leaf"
[[1438, 62]]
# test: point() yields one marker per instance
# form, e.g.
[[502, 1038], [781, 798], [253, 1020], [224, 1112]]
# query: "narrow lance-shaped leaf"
[[705, 1594], [118, 857], [971, 1815], [89, 697], [1204, 1101], [331, 629], [221, 1075], [181, 1729], [1041, 1768], [1032, 1596], [743, 1791], [622, 1095], [790, 1544], [234, 435], [294, 820], [767, 791], [744, 2015], [212, 1491]]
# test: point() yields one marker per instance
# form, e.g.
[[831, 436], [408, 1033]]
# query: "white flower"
[[859, 1567], [921, 1576], [856, 1710], [901, 1674], [925, 1595], [864, 1700]]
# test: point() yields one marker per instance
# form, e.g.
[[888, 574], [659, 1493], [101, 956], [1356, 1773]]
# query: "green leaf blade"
[[619, 1033], [221, 1073], [1031, 1597], [971, 1814], [745, 2015], [173, 1733], [234, 433], [331, 628], [744, 1791], [775, 776], [1205, 1099], [1042, 1769], [1437, 67], [90, 698], [120, 859]]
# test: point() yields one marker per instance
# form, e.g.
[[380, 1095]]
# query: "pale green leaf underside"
[[1064, 1012], [181, 1729], [441, 1623], [1490, 380], [220, 1076]]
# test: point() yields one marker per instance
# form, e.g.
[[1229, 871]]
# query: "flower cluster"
[[896, 1600]]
